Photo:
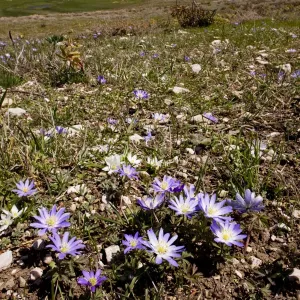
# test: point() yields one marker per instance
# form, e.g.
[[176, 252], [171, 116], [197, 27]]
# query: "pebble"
[[296, 213], [5, 260], [22, 282], [110, 251], [255, 262], [199, 119], [238, 273], [17, 111], [196, 68], [249, 249], [180, 90], [7, 102]]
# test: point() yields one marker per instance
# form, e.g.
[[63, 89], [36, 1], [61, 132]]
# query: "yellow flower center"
[[185, 208], [51, 221], [211, 210], [133, 243], [162, 248], [64, 248], [15, 214], [226, 235], [93, 281], [25, 189], [164, 185]]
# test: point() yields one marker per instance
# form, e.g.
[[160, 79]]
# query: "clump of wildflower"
[[213, 209], [61, 130], [113, 163], [141, 94], [159, 117], [51, 220], [65, 246], [14, 212], [5, 222], [91, 279], [154, 162], [148, 137], [151, 202], [249, 202], [133, 160], [228, 233], [181, 206], [168, 184], [101, 79], [128, 171], [132, 242], [295, 74], [112, 121], [162, 247], [25, 189]]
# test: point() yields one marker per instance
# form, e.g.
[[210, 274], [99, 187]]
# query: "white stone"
[[199, 119], [5, 260], [16, 111], [255, 262], [48, 259], [7, 102], [110, 251], [196, 68], [36, 273], [238, 273], [74, 130], [249, 249], [296, 213], [180, 90], [190, 150]]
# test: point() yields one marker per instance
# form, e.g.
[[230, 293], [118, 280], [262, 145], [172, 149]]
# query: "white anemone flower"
[[154, 162], [14, 212], [113, 163], [5, 222], [133, 160]]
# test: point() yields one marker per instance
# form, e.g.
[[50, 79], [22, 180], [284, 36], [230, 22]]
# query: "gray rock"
[[5, 260], [110, 251], [22, 282]]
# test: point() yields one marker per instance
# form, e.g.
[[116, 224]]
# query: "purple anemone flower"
[[65, 246], [296, 74], [141, 94], [247, 203], [25, 189], [228, 233], [101, 79], [181, 206], [190, 192], [51, 220], [151, 202], [162, 247], [133, 242], [187, 58], [128, 171], [60, 130], [148, 137], [91, 279], [168, 184], [213, 209], [112, 121], [210, 117]]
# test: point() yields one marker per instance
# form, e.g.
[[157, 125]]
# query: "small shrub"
[[193, 16]]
